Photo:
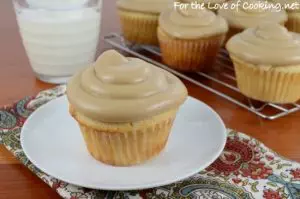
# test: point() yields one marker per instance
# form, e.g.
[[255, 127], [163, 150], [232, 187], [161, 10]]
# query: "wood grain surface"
[[17, 81]]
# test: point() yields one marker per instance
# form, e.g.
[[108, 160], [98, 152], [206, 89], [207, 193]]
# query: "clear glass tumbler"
[[60, 36]]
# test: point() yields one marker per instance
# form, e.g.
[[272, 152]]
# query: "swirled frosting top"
[[268, 44], [124, 89], [249, 14], [151, 6], [192, 23]]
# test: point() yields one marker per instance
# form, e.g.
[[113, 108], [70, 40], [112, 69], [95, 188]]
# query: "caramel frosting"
[[121, 89], [151, 6], [246, 15], [268, 44], [192, 23]]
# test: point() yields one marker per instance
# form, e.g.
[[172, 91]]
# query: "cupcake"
[[189, 38], [139, 19], [267, 63], [212, 5], [247, 15], [125, 108], [293, 12]]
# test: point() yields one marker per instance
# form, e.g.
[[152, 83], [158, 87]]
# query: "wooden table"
[[17, 81]]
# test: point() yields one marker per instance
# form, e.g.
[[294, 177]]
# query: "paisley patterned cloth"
[[246, 169]]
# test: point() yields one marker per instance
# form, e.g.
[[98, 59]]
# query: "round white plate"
[[52, 141]]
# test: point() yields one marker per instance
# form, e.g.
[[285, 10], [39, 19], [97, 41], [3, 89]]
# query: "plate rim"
[[119, 187]]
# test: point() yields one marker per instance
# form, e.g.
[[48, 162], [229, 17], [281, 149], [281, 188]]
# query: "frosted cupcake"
[[190, 38], [139, 19], [125, 108], [244, 17], [293, 23], [267, 63]]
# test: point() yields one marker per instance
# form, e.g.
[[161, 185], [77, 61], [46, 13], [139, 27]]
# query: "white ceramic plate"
[[52, 141]]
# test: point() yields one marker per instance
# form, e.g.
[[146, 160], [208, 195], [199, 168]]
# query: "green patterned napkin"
[[246, 169]]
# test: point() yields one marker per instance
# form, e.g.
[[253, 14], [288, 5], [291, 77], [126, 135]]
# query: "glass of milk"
[[60, 36]]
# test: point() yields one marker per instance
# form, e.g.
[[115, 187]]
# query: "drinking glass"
[[60, 36]]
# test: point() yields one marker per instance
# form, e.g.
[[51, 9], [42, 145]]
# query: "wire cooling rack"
[[220, 80]]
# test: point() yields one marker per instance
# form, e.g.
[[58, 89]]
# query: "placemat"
[[246, 169]]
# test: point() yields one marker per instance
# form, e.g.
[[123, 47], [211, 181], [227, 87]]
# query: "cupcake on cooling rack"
[[267, 63], [125, 108], [246, 15], [190, 38], [139, 19], [293, 11]]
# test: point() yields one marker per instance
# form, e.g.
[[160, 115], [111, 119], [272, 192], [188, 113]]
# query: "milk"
[[59, 42], [57, 4]]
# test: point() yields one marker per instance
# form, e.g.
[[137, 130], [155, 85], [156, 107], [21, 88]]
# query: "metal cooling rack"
[[221, 81]]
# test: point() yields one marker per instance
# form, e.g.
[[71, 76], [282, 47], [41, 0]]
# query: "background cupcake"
[[293, 23], [125, 108], [190, 38], [139, 19], [244, 17], [267, 63]]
